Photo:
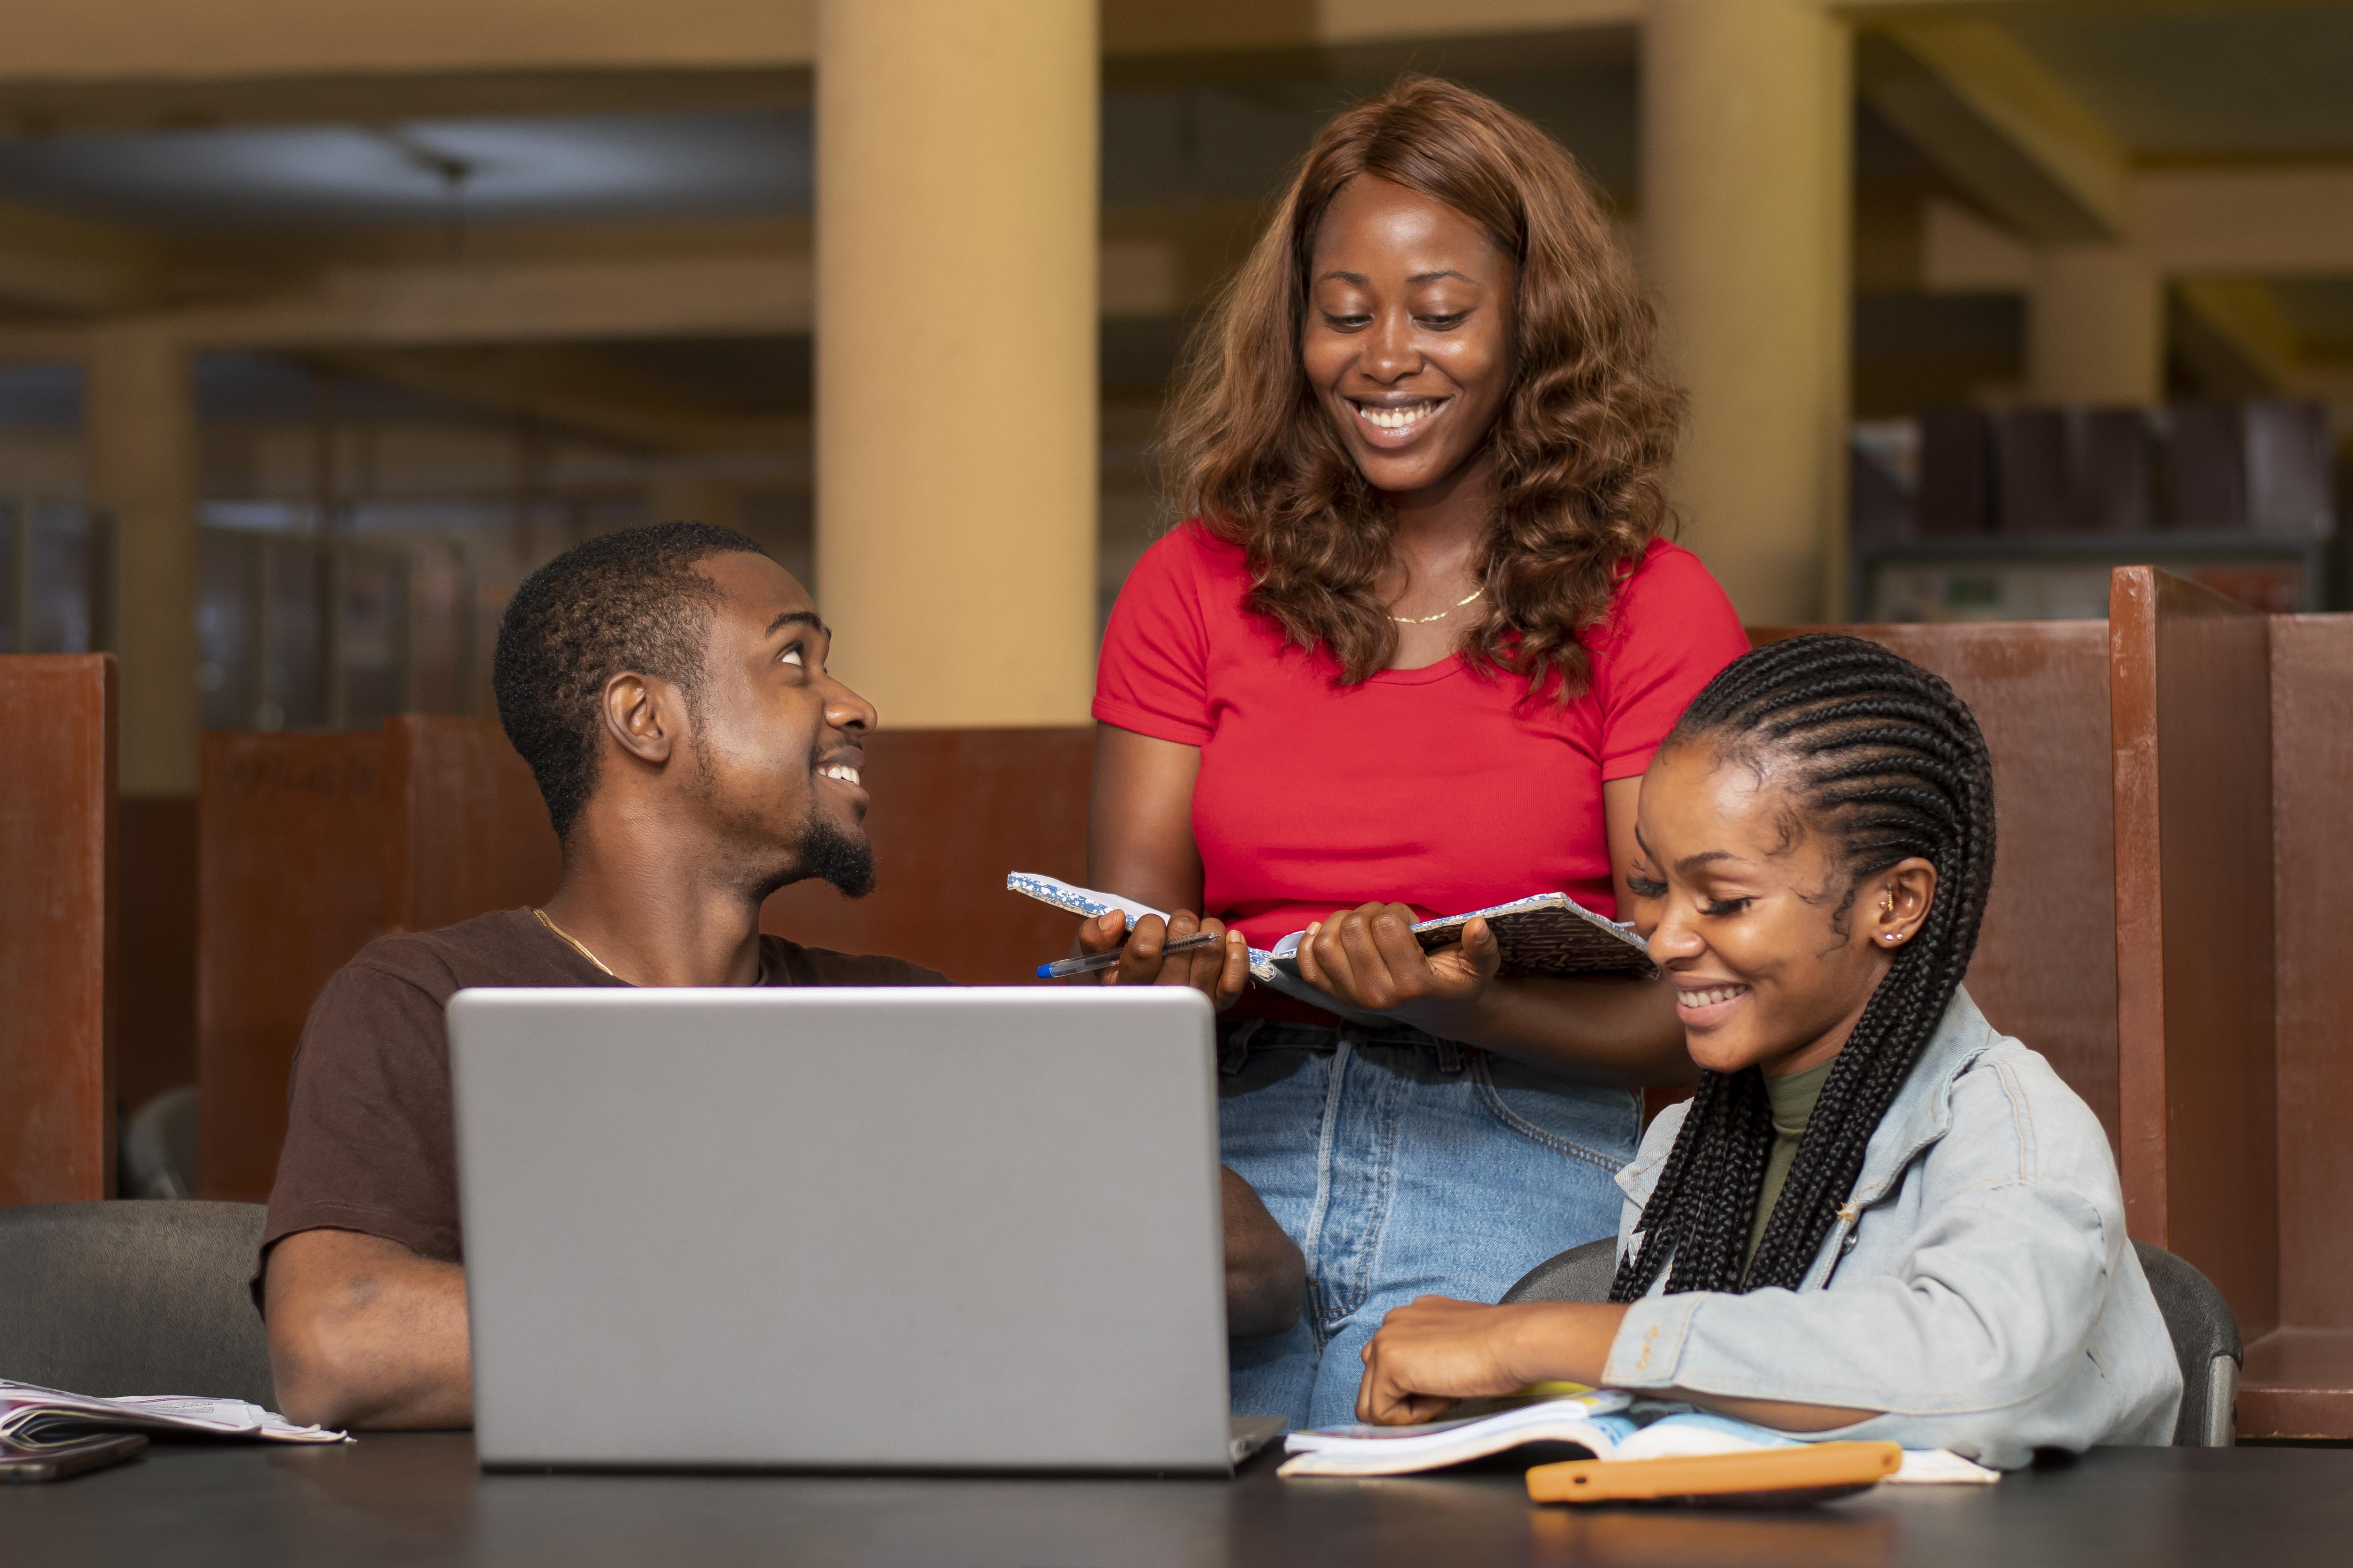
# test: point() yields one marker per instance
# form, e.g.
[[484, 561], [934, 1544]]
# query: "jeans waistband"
[[1238, 1038]]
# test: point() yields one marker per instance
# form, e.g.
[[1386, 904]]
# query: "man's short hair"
[[631, 600]]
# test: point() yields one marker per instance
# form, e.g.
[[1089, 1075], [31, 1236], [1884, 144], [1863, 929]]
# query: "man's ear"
[[645, 715]]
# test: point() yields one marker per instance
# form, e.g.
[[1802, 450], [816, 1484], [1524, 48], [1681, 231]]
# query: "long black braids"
[[1887, 763]]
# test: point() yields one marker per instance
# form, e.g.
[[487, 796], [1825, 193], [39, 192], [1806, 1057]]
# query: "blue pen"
[[1063, 968]]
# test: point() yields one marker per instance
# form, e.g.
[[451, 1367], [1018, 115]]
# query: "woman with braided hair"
[[1876, 1217]]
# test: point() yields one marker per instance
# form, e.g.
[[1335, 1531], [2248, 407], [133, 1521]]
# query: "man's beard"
[[830, 854]]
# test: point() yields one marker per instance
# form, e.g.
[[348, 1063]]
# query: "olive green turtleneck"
[[1793, 1106]]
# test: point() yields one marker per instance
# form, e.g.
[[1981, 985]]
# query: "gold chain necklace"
[[574, 942], [1425, 620]]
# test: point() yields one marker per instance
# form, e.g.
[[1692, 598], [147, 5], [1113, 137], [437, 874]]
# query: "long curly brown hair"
[[1580, 446]]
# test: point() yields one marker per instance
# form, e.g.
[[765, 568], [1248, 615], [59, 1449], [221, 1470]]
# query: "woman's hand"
[[1368, 958], [1219, 973], [1436, 1349]]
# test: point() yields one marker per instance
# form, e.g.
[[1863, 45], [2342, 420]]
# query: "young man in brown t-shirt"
[[668, 687]]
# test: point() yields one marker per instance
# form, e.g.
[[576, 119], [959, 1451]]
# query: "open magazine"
[[1561, 1421], [1544, 933], [36, 1420]]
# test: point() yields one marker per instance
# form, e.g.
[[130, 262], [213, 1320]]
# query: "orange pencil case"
[[1762, 1478]]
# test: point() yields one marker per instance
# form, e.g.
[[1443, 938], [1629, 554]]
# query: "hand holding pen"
[[1180, 950], [1096, 962]]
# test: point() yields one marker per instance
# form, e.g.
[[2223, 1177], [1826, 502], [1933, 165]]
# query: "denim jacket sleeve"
[[1987, 1300]]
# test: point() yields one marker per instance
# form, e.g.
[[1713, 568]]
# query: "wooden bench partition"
[[466, 831], [954, 811], [2197, 1092], [289, 884], [311, 845], [58, 871], [2299, 1377], [2046, 964]]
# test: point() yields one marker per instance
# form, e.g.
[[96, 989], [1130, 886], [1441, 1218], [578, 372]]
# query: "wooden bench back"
[[2312, 835], [2197, 1093], [289, 885], [57, 874], [2045, 968], [309, 846], [952, 812], [466, 831]]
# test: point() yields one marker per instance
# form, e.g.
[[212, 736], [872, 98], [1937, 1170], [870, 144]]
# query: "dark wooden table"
[[418, 1499]]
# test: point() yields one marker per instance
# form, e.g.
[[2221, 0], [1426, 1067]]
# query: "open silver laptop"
[[955, 1228]]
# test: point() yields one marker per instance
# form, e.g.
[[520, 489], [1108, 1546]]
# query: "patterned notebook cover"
[[1550, 933]]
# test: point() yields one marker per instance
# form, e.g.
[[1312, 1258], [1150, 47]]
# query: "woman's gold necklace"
[[574, 942], [1425, 620]]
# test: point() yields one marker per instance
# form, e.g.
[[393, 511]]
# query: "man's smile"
[[845, 766]]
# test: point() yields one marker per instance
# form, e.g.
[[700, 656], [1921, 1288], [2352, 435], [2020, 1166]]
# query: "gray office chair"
[[2205, 1335], [158, 1147], [1580, 1274], [2205, 1342], [133, 1296]]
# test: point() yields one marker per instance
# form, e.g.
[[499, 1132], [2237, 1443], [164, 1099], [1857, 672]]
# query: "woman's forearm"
[[1599, 1029], [1434, 1350]]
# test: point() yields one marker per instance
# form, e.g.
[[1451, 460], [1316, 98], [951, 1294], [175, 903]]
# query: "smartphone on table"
[[71, 1458]]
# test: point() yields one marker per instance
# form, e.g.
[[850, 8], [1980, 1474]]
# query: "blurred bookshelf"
[[295, 630], [1965, 514], [56, 576]]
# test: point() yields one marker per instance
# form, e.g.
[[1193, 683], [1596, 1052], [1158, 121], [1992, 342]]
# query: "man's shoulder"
[[505, 947], [783, 962]]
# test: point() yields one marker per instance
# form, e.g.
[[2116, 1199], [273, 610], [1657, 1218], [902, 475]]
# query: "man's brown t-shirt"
[[370, 1144]]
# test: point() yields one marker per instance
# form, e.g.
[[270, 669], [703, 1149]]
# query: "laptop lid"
[[968, 1228]]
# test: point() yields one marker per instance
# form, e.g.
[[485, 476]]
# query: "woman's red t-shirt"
[[1442, 788]]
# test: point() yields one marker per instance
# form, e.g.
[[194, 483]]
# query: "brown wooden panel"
[[466, 831], [954, 811], [2312, 833], [289, 885], [2189, 684], [57, 869], [2298, 1383], [2046, 964], [155, 921]]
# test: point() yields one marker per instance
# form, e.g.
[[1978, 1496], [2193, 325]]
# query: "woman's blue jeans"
[[1403, 1165]]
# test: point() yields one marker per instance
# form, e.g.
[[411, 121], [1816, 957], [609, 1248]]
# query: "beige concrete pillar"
[[956, 407], [2095, 327], [139, 421], [1747, 113]]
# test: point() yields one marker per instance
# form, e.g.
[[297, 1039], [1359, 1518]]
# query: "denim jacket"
[[1979, 1287]]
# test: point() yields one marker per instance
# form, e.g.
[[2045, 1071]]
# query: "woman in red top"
[[1411, 658]]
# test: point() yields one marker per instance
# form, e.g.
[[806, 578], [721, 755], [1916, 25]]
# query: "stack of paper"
[[33, 1420]]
